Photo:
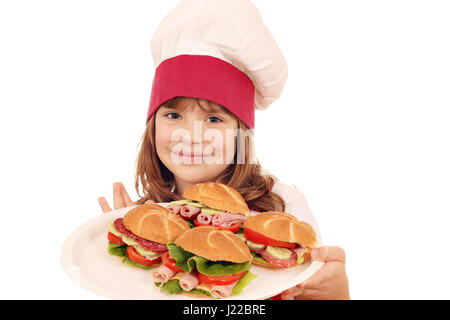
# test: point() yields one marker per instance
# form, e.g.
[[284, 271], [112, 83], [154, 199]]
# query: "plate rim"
[[71, 269]]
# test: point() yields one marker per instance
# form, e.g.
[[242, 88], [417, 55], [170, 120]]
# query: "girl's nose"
[[195, 130]]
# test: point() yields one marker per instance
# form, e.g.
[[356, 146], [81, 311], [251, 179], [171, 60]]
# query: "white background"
[[362, 128]]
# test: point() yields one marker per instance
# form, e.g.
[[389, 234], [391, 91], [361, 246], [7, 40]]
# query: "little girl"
[[211, 75]]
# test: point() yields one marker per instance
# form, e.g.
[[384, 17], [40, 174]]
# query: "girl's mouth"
[[190, 155]]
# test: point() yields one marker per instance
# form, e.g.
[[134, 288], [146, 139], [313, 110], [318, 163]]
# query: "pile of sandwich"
[[205, 244]]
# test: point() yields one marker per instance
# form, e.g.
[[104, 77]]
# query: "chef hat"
[[219, 50]]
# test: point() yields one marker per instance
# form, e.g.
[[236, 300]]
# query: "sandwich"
[[278, 240], [140, 237], [213, 204], [205, 262]]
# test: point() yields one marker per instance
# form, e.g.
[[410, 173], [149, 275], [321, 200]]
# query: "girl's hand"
[[121, 199], [329, 282]]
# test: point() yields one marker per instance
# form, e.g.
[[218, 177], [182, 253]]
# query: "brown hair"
[[247, 178]]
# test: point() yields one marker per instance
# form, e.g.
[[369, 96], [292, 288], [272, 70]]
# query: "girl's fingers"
[[328, 253], [149, 201], [299, 292], [118, 199], [126, 198], [327, 271], [291, 292], [309, 294], [121, 198], [104, 205], [318, 278]]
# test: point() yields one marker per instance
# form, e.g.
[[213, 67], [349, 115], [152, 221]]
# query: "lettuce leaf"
[[257, 256], [201, 292], [219, 268], [188, 261], [180, 255], [173, 286], [243, 282], [191, 224], [119, 250]]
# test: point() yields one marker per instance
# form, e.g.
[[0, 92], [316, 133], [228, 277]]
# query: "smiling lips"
[[192, 155]]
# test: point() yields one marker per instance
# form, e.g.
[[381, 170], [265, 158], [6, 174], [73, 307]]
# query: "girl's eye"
[[172, 115], [214, 119]]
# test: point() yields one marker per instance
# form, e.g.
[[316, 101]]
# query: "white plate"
[[86, 260]]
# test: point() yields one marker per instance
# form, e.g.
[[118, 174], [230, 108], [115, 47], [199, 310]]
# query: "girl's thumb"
[[328, 253]]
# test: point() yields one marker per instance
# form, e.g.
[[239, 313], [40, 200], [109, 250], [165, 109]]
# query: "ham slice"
[[189, 211], [204, 218], [163, 274], [151, 245], [175, 209], [189, 281], [300, 251], [226, 219], [222, 291]]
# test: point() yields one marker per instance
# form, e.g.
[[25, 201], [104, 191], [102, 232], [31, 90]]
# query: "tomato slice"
[[169, 262], [136, 257], [114, 239], [262, 239], [220, 280], [194, 217], [198, 224], [233, 228]]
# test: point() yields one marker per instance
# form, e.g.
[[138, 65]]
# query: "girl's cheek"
[[162, 137], [224, 149], [162, 132]]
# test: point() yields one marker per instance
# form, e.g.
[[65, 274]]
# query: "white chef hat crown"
[[218, 50]]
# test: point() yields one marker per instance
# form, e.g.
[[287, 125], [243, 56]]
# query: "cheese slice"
[[204, 286], [178, 276]]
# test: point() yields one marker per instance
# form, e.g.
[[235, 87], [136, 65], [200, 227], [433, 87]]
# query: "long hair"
[[246, 176]]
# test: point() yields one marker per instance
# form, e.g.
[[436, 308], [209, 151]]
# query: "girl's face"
[[195, 144]]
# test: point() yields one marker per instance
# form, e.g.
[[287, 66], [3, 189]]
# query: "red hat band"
[[204, 77]]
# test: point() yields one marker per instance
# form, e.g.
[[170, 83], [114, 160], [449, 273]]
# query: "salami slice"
[[118, 223], [152, 245], [257, 250], [283, 263], [147, 244]]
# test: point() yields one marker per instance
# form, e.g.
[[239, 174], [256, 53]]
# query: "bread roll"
[[218, 196], [214, 244], [155, 223], [283, 227]]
